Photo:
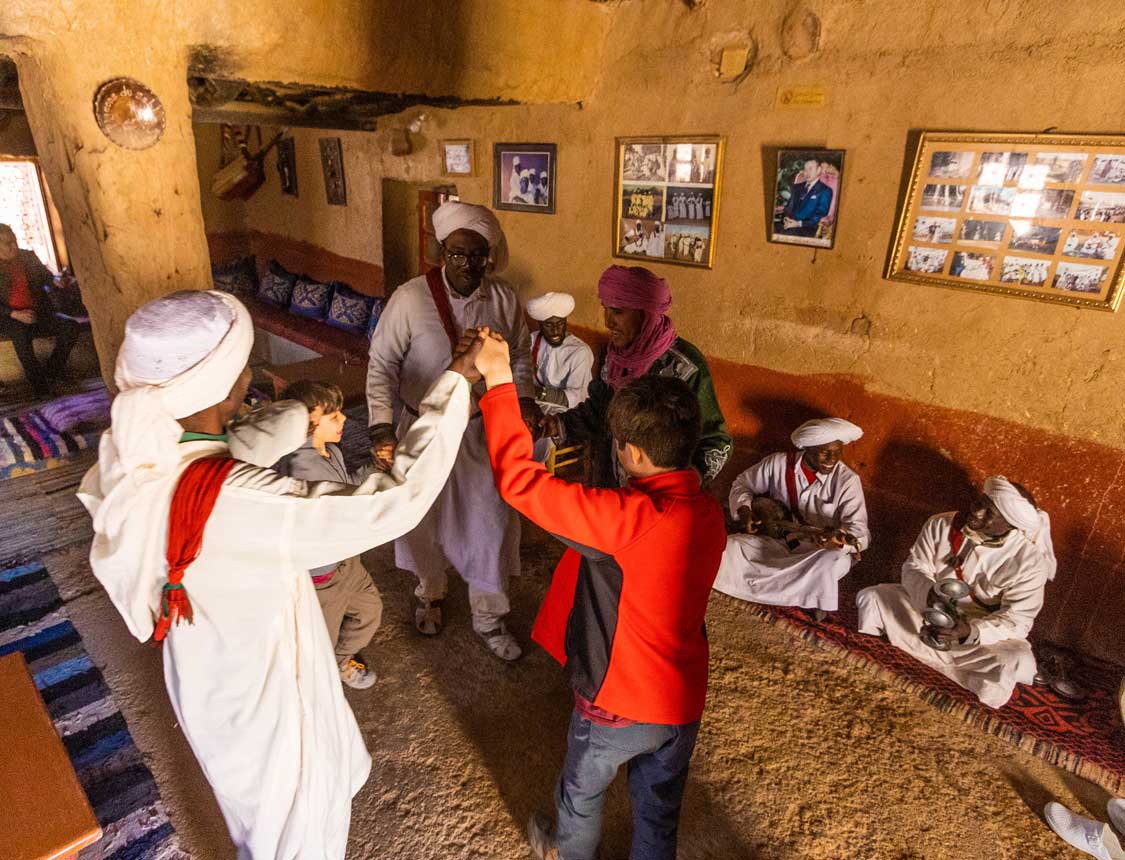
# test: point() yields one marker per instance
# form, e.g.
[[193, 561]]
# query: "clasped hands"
[[479, 354]]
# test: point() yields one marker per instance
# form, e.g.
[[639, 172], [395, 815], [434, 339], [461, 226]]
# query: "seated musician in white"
[[803, 522], [1001, 550]]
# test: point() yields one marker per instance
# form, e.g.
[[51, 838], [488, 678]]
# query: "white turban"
[[181, 353], [1034, 524], [821, 431], [454, 215], [551, 305]]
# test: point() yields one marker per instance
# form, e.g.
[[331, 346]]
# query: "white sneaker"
[[1115, 809], [356, 675], [1085, 834]]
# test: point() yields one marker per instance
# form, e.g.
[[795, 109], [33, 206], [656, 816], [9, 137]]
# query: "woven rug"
[[29, 444], [117, 782], [1086, 738]]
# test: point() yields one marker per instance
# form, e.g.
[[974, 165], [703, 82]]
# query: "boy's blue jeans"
[[658, 758]]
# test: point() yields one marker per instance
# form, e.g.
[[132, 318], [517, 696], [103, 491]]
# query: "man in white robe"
[[252, 679], [825, 530], [470, 527], [563, 363], [1002, 550]]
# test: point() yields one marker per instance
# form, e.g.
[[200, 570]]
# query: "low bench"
[[46, 815]]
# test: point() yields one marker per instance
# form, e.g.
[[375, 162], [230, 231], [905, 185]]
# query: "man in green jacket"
[[642, 342]]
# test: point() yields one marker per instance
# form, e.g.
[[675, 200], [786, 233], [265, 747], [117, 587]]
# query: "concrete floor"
[[800, 756]]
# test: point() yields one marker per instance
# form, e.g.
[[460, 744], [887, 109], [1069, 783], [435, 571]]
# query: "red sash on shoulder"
[[535, 356], [192, 503], [441, 301]]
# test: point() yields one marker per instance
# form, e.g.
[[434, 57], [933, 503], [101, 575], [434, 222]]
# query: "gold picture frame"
[[666, 198], [1035, 216]]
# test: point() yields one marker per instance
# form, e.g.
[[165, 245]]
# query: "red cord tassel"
[[192, 503]]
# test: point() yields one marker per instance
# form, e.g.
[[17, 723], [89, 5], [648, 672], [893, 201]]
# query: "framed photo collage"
[[1036, 216]]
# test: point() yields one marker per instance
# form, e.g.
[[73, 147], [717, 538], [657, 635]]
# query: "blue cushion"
[[350, 311], [239, 277], [277, 285], [376, 312], [310, 298]]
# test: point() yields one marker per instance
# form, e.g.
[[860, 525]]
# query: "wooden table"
[[352, 378], [44, 814]]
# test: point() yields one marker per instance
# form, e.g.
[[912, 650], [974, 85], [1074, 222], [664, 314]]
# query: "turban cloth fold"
[[637, 288], [550, 305], [181, 353], [1031, 522], [454, 215], [822, 431]]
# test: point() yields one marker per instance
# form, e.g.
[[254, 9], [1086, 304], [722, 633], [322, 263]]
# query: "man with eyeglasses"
[[469, 527]]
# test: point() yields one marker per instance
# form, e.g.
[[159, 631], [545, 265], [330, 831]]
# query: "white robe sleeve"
[[324, 522], [519, 344], [580, 375], [385, 357], [851, 512], [922, 566], [1020, 602], [755, 481]]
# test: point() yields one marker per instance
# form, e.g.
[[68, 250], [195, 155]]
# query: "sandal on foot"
[[427, 617], [541, 837], [502, 643]]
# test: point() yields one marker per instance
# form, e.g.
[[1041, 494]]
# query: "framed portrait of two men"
[[666, 198], [1033, 216]]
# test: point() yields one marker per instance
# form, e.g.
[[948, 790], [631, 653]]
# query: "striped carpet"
[[119, 785]]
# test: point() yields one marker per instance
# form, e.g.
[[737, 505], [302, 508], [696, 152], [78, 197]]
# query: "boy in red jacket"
[[626, 605]]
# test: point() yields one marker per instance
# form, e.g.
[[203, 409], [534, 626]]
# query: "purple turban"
[[637, 288]]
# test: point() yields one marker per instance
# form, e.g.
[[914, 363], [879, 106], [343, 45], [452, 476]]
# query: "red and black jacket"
[[626, 605]]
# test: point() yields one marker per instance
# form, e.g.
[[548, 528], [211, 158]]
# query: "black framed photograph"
[[806, 201], [287, 165], [332, 162], [666, 198], [523, 177]]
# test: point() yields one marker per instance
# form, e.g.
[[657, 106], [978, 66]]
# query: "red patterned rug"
[[1085, 738]]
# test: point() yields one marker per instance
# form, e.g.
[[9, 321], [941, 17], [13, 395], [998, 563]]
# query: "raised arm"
[[323, 528], [851, 513], [604, 520]]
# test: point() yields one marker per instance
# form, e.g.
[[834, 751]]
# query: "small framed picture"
[[1036, 216], [806, 200], [523, 177], [457, 158], [666, 198], [287, 165], [332, 162]]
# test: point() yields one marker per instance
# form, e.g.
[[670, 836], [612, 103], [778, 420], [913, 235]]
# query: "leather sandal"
[[502, 643], [427, 617]]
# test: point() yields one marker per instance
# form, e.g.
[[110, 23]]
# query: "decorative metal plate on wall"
[[129, 113]]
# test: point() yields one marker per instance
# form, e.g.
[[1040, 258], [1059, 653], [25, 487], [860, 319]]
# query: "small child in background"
[[349, 599]]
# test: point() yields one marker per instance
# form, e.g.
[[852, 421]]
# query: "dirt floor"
[[800, 755]]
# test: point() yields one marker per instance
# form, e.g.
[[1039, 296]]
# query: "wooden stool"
[[44, 814], [560, 458]]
